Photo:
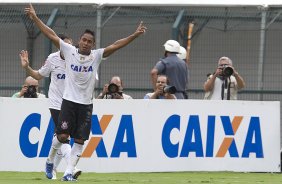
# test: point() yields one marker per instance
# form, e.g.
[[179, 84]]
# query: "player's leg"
[[65, 150], [63, 128], [80, 134], [57, 160], [74, 158], [56, 144], [58, 157]]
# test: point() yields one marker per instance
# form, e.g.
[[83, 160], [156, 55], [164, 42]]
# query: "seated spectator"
[[29, 89], [114, 90], [162, 90]]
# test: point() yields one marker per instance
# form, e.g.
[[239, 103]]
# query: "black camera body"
[[113, 91], [169, 89], [30, 92], [227, 71]]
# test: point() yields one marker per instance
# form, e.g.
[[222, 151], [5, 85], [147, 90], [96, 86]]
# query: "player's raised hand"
[[30, 12], [24, 58], [141, 29]]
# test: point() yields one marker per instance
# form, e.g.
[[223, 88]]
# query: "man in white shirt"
[[54, 67], [81, 66], [224, 83]]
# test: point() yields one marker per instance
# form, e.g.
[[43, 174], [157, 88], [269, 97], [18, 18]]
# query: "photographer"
[[162, 89], [29, 89], [224, 83], [113, 90]]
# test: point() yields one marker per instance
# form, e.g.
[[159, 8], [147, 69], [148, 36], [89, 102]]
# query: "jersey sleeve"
[[65, 48], [46, 69], [100, 53]]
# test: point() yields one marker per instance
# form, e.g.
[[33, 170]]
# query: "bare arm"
[[104, 92], [125, 41], [154, 76], [155, 94], [33, 73], [209, 84], [25, 64], [48, 32], [240, 81]]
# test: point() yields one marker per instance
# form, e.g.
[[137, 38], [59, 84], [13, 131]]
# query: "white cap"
[[182, 53], [172, 46]]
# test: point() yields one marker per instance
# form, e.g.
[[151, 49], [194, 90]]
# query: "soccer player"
[[81, 66], [55, 67]]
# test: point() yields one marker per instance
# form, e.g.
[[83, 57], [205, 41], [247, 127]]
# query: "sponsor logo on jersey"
[[61, 76], [81, 68]]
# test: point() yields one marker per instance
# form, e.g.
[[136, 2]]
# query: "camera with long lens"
[[227, 71], [169, 89], [30, 92], [113, 90]]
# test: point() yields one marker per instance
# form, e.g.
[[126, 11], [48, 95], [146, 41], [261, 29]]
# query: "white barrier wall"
[[150, 136]]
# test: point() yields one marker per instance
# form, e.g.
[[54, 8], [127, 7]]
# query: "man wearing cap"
[[173, 67]]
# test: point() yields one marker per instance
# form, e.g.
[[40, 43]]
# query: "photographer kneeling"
[[163, 90], [114, 90], [29, 89]]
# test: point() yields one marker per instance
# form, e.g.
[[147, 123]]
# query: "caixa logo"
[[124, 139], [193, 142]]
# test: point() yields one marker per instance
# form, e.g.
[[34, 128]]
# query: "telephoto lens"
[[169, 89], [113, 88], [227, 71]]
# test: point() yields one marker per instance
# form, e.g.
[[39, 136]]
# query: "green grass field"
[[150, 178]]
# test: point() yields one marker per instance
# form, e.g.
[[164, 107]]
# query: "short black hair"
[[63, 36], [88, 31]]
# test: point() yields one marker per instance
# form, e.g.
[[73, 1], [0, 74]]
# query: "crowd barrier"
[[150, 136]]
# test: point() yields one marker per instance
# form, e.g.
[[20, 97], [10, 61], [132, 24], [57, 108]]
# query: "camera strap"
[[225, 85], [222, 90], [228, 89]]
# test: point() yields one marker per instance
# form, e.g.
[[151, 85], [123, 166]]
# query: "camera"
[[227, 71], [113, 88], [30, 92], [169, 89], [113, 91]]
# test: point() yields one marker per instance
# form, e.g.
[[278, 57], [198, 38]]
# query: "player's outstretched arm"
[[48, 32], [141, 29], [25, 64]]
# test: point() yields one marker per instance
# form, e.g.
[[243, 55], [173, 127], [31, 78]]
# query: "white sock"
[[66, 151], [56, 144], [58, 158], [74, 158]]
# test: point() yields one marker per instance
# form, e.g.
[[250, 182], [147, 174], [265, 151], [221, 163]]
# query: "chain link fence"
[[236, 32]]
